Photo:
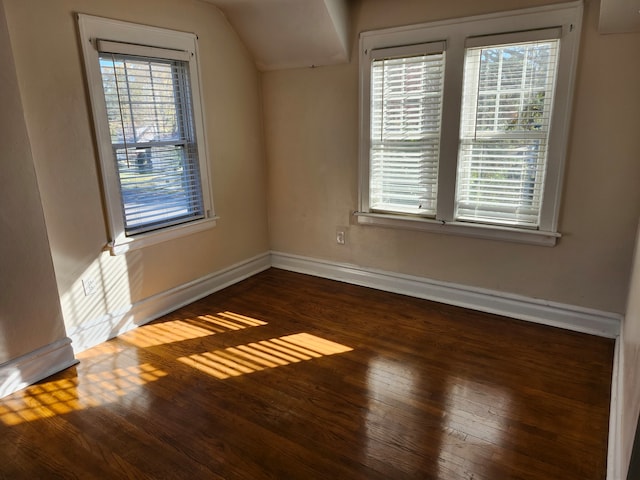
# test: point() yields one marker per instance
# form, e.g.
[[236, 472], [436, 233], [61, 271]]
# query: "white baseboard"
[[108, 326], [595, 322], [35, 366], [570, 317]]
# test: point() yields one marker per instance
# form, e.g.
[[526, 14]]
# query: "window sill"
[[489, 232], [123, 244]]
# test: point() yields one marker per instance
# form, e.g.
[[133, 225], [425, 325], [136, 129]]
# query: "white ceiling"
[[291, 33]]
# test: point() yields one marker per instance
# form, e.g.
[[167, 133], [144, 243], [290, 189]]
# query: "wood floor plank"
[[287, 376]]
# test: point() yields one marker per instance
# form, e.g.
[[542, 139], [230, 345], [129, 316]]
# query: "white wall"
[[311, 124]]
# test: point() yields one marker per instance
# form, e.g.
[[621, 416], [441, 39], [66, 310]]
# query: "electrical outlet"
[[90, 286], [341, 236]]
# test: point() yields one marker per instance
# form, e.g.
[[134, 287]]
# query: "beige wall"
[[311, 130], [30, 315], [311, 125], [58, 118]]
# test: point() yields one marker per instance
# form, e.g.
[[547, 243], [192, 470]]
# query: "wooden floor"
[[286, 376]]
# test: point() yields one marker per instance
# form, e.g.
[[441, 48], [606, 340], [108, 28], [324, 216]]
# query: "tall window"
[[406, 103], [149, 129], [506, 115], [151, 126], [465, 123]]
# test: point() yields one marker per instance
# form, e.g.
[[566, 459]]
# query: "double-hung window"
[[406, 105], [146, 102], [464, 123]]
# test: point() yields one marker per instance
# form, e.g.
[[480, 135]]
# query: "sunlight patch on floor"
[[257, 356], [59, 397], [199, 326]]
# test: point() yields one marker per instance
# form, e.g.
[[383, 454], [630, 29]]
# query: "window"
[[506, 102], [464, 123], [406, 104], [145, 95]]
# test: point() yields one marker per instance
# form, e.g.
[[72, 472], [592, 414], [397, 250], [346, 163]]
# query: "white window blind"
[[506, 117], [464, 123], [149, 109], [406, 107]]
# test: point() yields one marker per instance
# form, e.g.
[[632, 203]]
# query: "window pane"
[[150, 122], [502, 181], [156, 186], [506, 113], [406, 104]]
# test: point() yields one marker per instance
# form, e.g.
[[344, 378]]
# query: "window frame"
[[457, 33], [141, 40], [393, 136]]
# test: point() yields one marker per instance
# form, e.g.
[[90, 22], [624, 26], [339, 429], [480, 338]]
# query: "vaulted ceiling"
[[291, 33], [302, 33]]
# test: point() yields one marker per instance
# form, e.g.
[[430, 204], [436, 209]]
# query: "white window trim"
[[141, 38], [456, 33]]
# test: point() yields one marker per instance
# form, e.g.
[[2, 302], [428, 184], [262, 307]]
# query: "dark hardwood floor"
[[287, 376]]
